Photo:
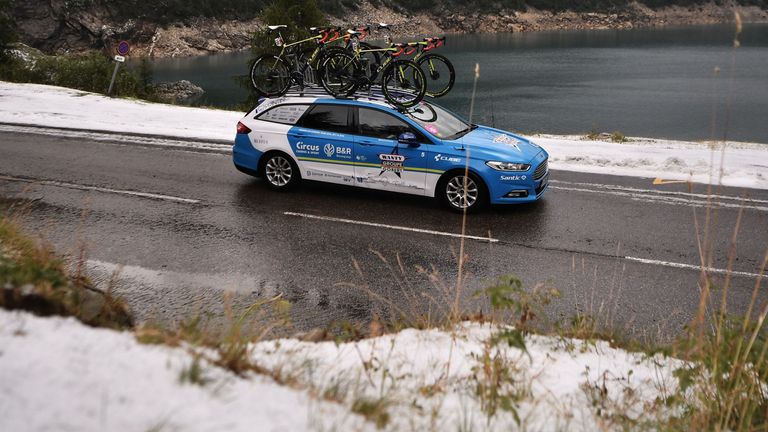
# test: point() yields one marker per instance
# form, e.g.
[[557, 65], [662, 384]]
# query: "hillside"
[[194, 27]]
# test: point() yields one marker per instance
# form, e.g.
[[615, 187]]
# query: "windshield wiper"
[[463, 132]]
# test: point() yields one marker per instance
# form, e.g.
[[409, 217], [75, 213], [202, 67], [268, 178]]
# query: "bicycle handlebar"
[[326, 32], [434, 42]]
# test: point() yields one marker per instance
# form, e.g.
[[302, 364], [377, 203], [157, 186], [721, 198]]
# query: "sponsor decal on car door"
[[381, 162], [323, 145]]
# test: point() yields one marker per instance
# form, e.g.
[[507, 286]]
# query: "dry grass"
[[35, 279]]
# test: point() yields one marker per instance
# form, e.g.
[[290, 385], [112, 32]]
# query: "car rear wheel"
[[280, 172], [461, 192]]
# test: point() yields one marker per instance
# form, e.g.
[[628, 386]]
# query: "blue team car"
[[365, 142]]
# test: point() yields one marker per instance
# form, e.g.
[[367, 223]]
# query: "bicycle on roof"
[[439, 71], [343, 72], [272, 75]]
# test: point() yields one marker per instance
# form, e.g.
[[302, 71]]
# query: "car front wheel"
[[280, 172], [462, 192]]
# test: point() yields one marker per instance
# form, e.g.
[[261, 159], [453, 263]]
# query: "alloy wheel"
[[279, 171], [462, 192]]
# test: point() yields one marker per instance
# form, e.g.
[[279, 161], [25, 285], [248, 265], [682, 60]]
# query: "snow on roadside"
[[49, 106], [743, 164], [429, 379], [57, 374]]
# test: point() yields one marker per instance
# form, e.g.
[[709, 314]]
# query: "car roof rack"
[[374, 93]]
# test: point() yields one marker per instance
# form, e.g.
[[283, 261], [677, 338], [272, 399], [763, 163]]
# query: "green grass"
[[34, 278]]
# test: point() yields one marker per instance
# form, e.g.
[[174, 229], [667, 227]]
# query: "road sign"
[[119, 58], [123, 48]]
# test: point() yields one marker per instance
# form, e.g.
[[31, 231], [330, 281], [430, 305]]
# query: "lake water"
[[650, 82]]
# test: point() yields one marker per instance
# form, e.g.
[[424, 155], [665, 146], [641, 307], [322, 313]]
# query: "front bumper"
[[514, 188]]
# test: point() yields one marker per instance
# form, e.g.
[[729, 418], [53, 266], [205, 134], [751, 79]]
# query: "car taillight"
[[242, 129]]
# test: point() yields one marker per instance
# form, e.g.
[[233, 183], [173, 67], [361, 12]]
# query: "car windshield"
[[439, 122]]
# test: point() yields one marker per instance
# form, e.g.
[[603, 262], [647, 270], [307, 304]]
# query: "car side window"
[[378, 124], [331, 118], [285, 114]]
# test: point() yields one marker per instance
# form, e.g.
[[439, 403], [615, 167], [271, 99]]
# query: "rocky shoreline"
[[54, 32]]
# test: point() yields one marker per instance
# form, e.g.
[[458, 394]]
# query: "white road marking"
[[181, 144], [673, 198], [101, 189], [661, 192], [691, 267], [392, 227]]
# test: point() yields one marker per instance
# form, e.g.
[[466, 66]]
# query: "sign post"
[[123, 48]]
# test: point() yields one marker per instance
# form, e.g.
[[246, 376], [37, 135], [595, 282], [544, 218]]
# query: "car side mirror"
[[408, 138]]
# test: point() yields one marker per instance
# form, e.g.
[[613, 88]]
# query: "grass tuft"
[[33, 278]]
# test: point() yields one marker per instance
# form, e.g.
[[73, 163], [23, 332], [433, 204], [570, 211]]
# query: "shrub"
[[7, 31], [618, 137], [88, 72], [299, 16]]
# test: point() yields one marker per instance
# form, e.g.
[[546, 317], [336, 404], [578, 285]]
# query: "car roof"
[[310, 95]]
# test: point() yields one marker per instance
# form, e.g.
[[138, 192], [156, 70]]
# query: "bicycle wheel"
[[439, 73], [311, 75], [403, 83], [370, 61], [339, 73], [270, 75]]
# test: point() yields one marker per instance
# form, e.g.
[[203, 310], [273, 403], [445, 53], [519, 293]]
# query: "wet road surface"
[[183, 227]]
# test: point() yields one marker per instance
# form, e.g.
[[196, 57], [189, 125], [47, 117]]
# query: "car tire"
[[450, 192], [279, 171]]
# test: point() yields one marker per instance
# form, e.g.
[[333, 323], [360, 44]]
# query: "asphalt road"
[[183, 227]]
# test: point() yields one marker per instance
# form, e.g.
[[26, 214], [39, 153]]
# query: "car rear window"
[[285, 114], [326, 117]]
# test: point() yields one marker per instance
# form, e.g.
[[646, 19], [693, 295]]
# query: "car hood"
[[498, 144]]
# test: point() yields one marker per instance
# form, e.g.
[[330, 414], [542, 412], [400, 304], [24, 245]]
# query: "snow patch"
[[58, 374]]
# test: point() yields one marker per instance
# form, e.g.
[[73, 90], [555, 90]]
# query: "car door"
[[323, 143], [381, 162]]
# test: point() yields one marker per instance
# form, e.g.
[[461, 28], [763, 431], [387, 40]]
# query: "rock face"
[[55, 27], [200, 36], [181, 92]]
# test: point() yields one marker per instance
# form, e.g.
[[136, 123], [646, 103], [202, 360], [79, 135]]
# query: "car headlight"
[[508, 166]]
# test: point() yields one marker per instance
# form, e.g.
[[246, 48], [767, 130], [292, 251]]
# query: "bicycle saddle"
[[324, 29], [276, 27], [383, 26]]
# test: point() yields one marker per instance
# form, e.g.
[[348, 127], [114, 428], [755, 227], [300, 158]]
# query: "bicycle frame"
[[322, 39], [394, 51], [425, 46]]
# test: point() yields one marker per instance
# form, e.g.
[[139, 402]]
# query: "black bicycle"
[[272, 75], [343, 72]]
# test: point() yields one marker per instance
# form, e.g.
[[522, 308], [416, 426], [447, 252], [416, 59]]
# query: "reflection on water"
[[650, 82]]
